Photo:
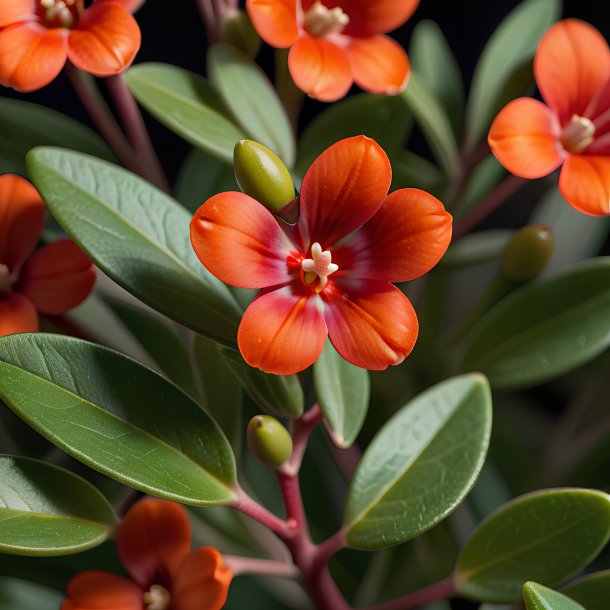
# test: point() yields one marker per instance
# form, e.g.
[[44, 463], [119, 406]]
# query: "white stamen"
[[157, 598], [578, 134], [319, 267], [320, 21], [58, 9]]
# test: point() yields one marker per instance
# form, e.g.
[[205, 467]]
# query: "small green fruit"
[[528, 253], [269, 441]]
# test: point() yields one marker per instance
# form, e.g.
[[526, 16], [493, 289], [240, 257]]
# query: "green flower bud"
[[237, 30], [528, 253], [261, 174], [269, 441]]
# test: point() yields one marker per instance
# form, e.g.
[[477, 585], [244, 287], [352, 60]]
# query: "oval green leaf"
[[592, 591], [117, 416], [544, 329], [46, 510], [247, 92], [421, 464], [137, 235], [17, 594], [343, 392], [187, 104], [546, 536], [537, 597]]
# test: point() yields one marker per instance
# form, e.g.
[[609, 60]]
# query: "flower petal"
[[21, 220], [572, 63], [240, 241], [282, 331], [405, 239], [95, 590], [524, 137], [201, 581], [105, 41], [320, 68], [17, 315], [31, 56], [379, 64], [342, 189], [15, 11], [275, 21], [153, 540], [57, 278], [370, 323], [585, 184]]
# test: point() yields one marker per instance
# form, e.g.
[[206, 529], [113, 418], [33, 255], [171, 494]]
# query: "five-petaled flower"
[[153, 543], [330, 274], [532, 139], [336, 42], [38, 36], [52, 280]]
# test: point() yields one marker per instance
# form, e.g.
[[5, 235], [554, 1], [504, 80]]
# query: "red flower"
[[532, 139], [38, 36], [154, 543], [336, 42], [331, 273], [51, 280]]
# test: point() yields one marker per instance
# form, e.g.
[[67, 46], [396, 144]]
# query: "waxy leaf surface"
[[592, 590], [537, 597]]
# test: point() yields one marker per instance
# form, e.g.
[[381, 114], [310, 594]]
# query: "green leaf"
[[187, 104], [421, 464], [381, 117], [24, 126], [477, 248], [544, 329], [433, 121], [412, 171], [343, 391], [17, 594], [546, 536], [277, 394], [592, 591], [247, 92], [512, 45], [538, 597], [484, 178], [117, 416], [433, 60], [46, 510], [137, 235]]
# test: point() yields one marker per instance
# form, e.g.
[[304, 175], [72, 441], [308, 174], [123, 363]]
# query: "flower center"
[[157, 598], [5, 280], [60, 13], [320, 21], [317, 268], [578, 134]]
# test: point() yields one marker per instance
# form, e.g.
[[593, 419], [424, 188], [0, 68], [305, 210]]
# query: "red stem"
[[443, 589], [303, 427], [208, 16], [245, 504], [251, 565]]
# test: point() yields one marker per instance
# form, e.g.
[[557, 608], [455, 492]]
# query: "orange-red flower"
[[38, 36], [52, 280], [532, 139], [334, 43], [330, 274], [153, 543]]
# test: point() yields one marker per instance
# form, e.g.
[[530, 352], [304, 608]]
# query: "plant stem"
[[209, 20], [245, 504], [443, 589], [264, 567], [134, 125], [303, 427]]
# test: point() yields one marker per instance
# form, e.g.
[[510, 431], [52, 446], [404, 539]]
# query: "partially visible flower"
[[52, 280], [37, 37], [153, 543], [334, 43], [572, 127], [330, 274]]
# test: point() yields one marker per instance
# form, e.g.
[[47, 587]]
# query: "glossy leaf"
[[343, 392], [544, 329], [546, 536], [117, 416], [512, 46], [592, 590], [137, 235], [278, 394], [17, 594], [46, 510], [421, 464], [187, 104], [247, 92], [538, 597]]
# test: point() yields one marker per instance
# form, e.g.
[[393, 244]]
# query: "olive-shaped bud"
[[261, 174], [269, 441], [237, 30], [527, 253]]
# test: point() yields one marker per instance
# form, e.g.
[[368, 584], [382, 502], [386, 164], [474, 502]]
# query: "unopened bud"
[[261, 174], [237, 30], [527, 253], [269, 441]]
